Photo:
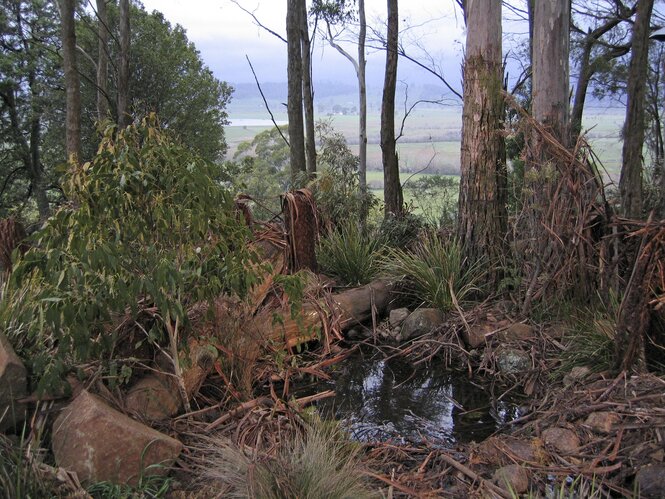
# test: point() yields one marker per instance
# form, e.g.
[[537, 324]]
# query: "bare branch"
[[258, 23], [265, 101]]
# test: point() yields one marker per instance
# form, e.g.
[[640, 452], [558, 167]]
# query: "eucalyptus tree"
[[72, 81], [482, 199], [295, 100], [124, 116]]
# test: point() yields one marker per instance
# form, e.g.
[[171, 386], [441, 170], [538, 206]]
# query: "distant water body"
[[253, 122]]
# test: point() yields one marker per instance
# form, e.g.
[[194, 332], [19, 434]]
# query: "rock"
[[398, 316], [13, 386], [512, 361], [507, 450], [474, 336], [563, 440], [516, 332], [102, 444], [602, 422], [152, 399], [513, 478], [650, 481], [576, 375], [420, 322]]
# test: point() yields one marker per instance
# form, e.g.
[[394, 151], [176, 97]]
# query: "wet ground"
[[378, 399]]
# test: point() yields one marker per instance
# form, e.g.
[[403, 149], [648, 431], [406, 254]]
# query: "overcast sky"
[[224, 34]]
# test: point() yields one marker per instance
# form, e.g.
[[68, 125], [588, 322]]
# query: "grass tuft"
[[319, 463], [348, 255], [432, 269]]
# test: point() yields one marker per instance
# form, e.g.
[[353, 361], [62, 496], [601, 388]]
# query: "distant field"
[[431, 139]]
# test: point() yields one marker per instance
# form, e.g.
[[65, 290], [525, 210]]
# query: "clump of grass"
[[350, 256], [434, 271], [319, 463], [18, 477], [591, 342]]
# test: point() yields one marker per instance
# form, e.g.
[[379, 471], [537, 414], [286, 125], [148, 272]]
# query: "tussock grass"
[[350, 256], [320, 463], [434, 271], [18, 478]]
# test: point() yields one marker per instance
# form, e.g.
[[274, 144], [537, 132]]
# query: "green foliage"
[[337, 188], [401, 232], [434, 271], [148, 225], [349, 255], [262, 171], [148, 487], [320, 463], [436, 195]]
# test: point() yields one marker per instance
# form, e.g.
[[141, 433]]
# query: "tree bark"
[[392, 189], [551, 74], [124, 118], [102, 61], [630, 182], [482, 200], [72, 83], [308, 92], [295, 101], [362, 102]]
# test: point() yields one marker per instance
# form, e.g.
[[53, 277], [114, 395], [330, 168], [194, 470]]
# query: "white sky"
[[224, 34]]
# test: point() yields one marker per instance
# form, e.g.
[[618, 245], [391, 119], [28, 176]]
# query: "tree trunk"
[[34, 166], [308, 91], [392, 189], [124, 118], [551, 47], [294, 76], [72, 84], [630, 183], [482, 200], [102, 61], [362, 107]]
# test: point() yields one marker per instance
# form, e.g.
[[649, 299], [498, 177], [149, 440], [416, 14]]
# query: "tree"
[[630, 183], [72, 84], [392, 189], [124, 118], [307, 91], [337, 12], [102, 61], [482, 199], [294, 76], [30, 73]]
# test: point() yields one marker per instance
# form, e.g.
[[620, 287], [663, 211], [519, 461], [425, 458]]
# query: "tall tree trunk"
[[482, 199], [72, 84], [124, 118], [35, 164], [102, 61], [551, 48], [630, 183], [308, 91], [294, 76], [362, 104], [392, 189]]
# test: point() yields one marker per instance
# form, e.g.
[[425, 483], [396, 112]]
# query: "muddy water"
[[390, 400]]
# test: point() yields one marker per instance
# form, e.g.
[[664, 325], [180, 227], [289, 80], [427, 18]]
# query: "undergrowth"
[[435, 272]]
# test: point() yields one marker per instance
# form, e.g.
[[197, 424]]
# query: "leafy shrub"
[[434, 269], [349, 255], [436, 196], [337, 188], [148, 225], [402, 231]]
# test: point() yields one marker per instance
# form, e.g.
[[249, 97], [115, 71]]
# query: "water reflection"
[[390, 400]]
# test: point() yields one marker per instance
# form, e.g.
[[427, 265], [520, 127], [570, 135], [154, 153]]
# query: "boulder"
[[505, 449], [516, 332], [513, 477], [99, 443], [152, 399], [475, 335], [398, 316], [650, 481], [512, 361], [13, 386], [602, 422], [563, 440], [420, 322]]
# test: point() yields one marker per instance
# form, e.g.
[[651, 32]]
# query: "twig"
[[474, 476], [272, 117]]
